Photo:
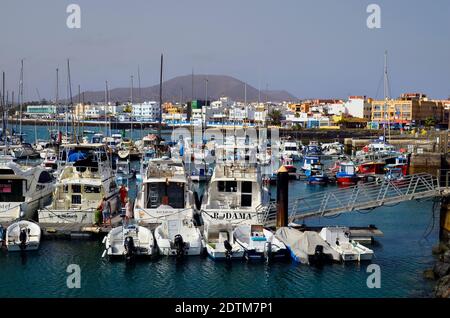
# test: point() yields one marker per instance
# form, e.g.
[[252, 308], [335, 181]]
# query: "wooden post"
[[282, 196]]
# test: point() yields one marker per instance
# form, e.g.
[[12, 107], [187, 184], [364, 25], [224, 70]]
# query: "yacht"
[[23, 189], [236, 194], [165, 191], [85, 178]]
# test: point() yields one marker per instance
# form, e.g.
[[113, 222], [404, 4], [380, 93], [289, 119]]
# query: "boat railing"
[[236, 171]]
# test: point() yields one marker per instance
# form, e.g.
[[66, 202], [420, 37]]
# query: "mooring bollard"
[[282, 196]]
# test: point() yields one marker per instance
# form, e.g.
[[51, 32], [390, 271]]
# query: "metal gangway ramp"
[[364, 196]]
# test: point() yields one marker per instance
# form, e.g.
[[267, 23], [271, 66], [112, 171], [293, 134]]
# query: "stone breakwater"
[[441, 270]]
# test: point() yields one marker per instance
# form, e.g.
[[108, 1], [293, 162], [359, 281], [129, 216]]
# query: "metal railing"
[[366, 196]]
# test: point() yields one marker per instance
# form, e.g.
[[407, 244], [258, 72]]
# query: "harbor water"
[[403, 253]]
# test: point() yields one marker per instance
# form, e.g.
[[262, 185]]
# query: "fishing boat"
[[177, 236], [307, 247], [317, 174], [339, 240], [308, 161], [313, 149], [23, 189], [371, 168], [347, 174], [128, 241], [394, 173], [236, 193], [219, 241], [23, 235], [86, 178], [165, 191], [258, 242]]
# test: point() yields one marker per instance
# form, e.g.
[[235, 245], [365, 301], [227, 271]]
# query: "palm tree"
[[275, 117], [430, 122]]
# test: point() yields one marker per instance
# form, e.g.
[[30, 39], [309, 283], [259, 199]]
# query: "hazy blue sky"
[[310, 48]]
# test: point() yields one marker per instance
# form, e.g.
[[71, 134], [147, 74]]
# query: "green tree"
[[275, 117], [430, 122]]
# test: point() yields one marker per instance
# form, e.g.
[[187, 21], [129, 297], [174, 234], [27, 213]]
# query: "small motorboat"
[[129, 241], [220, 242], [347, 174], [258, 242], [307, 247], [394, 174], [339, 240], [178, 237], [23, 235]]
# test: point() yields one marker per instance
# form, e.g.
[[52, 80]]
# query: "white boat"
[[258, 242], [220, 242], [50, 161], [165, 191], [237, 194], [23, 190], [332, 149], [85, 179], [339, 240], [290, 149], [178, 237], [23, 236], [307, 247], [129, 240]]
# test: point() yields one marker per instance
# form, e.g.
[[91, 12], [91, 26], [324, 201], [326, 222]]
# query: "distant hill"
[[173, 89]]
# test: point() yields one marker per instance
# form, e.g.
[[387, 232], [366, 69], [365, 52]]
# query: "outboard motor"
[[319, 256], [268, 250], [130, 248], [228, 249], [179, 245], [23, 236]]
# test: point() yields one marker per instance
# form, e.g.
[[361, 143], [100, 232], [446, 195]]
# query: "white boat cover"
[[303, 244]]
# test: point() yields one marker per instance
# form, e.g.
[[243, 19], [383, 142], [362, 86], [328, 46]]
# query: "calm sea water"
[[402, 254]]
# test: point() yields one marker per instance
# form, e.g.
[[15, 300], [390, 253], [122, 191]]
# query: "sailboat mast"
[[131, 98], [71, 102], [57, 99], [160, 97], [106, 111], [386, 97], [21, 99], [3, 107]]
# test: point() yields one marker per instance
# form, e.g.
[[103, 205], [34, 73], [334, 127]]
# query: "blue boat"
[[312, 150], [316, 175], [308, 161]]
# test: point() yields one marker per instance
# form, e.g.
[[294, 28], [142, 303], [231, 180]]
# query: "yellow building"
[[300, 108], [409, 108]]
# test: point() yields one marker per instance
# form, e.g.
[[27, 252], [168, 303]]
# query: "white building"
[[359, 106], [147, 111]]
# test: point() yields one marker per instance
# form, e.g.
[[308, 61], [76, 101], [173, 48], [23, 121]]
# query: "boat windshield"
[[158, 194], [11, 191]]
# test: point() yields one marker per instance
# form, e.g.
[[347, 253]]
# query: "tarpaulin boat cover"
[[303, 244]]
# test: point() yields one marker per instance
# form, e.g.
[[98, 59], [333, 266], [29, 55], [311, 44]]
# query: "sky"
[[313, 49]]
